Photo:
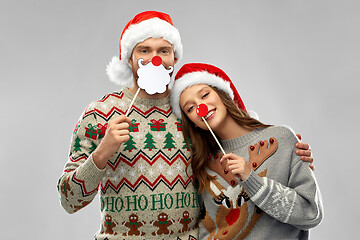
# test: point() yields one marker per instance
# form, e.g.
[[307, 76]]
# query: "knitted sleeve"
[[298, 203], [79, 183]]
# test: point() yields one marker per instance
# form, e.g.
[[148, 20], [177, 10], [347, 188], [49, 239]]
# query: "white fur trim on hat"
[[151, 28], [195, 78], [119, 71], [253, 114]]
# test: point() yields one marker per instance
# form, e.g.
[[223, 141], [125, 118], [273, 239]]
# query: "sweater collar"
[[240, 142], [147, 102]]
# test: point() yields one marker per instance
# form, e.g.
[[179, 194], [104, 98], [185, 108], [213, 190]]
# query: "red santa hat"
[[149, 24], [200, 73]]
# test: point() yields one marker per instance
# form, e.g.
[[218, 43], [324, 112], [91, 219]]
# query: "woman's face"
[[195, 95]]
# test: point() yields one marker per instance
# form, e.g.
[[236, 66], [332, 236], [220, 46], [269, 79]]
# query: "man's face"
[[148, 49]]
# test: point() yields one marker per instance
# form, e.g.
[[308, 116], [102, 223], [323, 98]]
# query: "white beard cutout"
[[153, 77]]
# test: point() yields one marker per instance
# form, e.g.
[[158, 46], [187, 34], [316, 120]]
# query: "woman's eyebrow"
[[197, 92]]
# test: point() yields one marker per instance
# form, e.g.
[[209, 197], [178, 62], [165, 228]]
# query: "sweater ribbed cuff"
[[90, 174], [252, 184]]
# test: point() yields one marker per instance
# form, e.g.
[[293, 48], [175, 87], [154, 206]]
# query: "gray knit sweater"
[[279, 200]]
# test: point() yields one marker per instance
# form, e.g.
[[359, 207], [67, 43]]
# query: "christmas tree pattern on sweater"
[[144, 181]]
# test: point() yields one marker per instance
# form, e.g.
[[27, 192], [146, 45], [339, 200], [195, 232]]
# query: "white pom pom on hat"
[[200, 73], [149, 24]]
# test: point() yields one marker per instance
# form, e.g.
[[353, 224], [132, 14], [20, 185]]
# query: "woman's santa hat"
[[149, 24], [200, 73]]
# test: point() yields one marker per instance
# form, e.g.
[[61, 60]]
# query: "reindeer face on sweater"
[[233, 212], [236, 216], [230, 203]]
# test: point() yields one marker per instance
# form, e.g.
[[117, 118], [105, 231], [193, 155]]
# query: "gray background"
[[295, 62]]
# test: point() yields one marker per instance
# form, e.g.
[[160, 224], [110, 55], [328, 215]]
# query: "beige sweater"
[[144, 190]]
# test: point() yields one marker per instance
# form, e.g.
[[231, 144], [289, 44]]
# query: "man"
[[138, 162]]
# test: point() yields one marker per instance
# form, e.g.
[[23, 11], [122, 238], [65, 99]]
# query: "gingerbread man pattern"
[[134, 224], [162, 223]]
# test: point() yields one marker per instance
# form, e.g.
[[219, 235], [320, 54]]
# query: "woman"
[[260, 189]]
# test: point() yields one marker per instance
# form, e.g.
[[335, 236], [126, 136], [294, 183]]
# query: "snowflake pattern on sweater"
[[145, 192]]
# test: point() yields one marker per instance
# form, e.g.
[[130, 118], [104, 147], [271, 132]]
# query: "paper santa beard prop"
[[153, 77]]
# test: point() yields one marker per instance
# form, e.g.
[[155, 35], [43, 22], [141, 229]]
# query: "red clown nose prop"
[[202, 110]]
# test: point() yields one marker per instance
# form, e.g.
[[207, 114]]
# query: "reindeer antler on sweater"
[[259, 152]]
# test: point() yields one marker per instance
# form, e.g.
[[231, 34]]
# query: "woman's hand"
[[236, 165]]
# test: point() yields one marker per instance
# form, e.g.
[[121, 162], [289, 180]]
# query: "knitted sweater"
[[279, 200], [145, 192]]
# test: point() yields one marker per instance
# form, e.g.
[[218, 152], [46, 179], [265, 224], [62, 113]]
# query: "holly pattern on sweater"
[[144, 188]]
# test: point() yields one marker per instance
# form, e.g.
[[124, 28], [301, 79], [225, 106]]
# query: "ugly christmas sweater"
[[145, 192], [279, 200]]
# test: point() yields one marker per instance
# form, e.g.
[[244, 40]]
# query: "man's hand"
[[304, 151], [117, 133]]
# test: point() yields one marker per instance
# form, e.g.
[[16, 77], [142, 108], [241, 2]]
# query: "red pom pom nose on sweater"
[[233, 216]]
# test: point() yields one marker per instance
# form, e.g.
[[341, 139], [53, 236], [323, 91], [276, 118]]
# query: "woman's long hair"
[[202, 144]]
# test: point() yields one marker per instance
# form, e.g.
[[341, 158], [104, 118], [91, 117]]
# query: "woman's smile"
[[210, 114]]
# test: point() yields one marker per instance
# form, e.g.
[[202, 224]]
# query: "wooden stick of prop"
[[201, 111], [132, 102]]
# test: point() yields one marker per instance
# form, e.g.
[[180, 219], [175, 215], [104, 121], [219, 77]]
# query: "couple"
[[139, 163]]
